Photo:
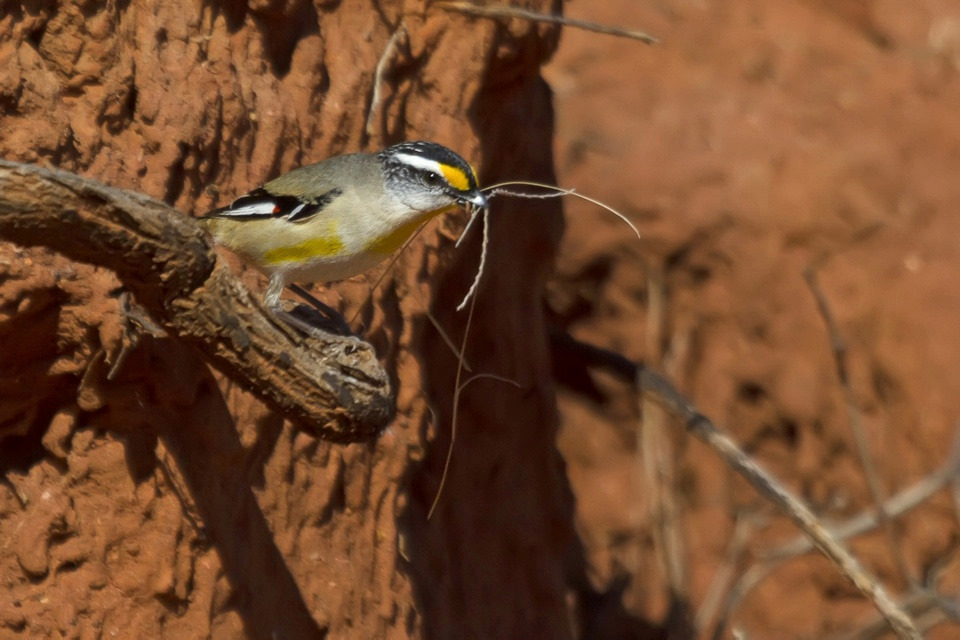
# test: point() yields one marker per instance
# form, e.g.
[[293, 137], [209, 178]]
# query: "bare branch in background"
[[895, 506], [504, 11], [386, 58], [663, 392], [658, 455], [838, 349], [767, 486]]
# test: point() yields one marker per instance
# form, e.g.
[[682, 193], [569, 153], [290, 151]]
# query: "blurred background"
[[756, 141], [794, 168]]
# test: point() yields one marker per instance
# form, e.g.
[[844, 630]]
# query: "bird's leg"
[[334, 316], [300, 324], [317, 304], [272, 297], [303, 318]]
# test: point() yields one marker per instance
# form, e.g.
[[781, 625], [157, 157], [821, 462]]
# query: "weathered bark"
[[329, 384]]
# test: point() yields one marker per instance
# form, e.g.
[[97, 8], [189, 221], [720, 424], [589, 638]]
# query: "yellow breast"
[[393, 240]]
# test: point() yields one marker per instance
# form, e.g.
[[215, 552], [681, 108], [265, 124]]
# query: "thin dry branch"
[[385, 58], [895, 506], [768, 487], [504, 11], [660, 390], [838, 348], [926, 606], [332, 385], [743, 529], [654, 443]]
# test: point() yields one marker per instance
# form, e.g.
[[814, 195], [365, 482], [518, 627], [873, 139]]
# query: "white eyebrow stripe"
[[420, 162]]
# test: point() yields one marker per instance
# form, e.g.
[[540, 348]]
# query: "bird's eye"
[[432, 179]]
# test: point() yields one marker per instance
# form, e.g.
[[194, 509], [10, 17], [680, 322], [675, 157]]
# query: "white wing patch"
[[255, 209], [297, 209]]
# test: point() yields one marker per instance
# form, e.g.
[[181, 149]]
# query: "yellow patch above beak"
[[456, 177]]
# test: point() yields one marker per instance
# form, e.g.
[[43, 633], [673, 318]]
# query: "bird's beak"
[[475, 199]]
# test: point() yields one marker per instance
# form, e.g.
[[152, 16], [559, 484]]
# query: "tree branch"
[[331, 385], [650, 384], [660, 389], [503, 11]]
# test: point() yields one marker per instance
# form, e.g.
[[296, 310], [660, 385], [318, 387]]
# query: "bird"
[[339, 218]]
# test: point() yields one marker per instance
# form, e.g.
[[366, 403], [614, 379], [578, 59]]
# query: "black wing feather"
[[292, 208]]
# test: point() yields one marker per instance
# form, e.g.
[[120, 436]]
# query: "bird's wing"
[[260, 204]]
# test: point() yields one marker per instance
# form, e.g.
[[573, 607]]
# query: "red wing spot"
[[276, 209]]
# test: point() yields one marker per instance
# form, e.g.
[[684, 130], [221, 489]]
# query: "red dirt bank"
[[757, 137]]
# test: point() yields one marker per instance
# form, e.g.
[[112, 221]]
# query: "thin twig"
[[456, 405], [767, 486], [924, 606], [555, 192], [484, 245], [475, 213], [385, 58], [447, 339], [700, 426], [743, 529], [386, 270], [839, 350], [504, 11], [955, 494], [135, 323], [457, 389], [895, 506], [955, 477], [744, 585], [657, 457]]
